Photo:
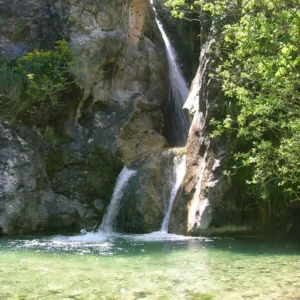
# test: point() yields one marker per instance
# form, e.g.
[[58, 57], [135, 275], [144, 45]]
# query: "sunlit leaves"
[[259, 51], [47, 73], [262, 73]]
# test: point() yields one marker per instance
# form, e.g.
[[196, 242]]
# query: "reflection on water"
[[153, 266]]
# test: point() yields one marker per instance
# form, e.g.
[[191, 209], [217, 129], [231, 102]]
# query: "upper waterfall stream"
[[177, 124]]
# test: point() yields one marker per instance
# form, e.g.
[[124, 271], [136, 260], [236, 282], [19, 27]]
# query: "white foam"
[[86, 238], [109, 218], [160, 236]]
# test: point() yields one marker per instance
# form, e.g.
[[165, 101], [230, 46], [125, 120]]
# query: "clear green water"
[[148, 267]]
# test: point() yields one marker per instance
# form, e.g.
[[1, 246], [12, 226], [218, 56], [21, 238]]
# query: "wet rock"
[[99, 205], [72, 154], [30, 22], [27, 202], [146, 200], [104, 21], [11, 50], [142, 133], [184, 36]]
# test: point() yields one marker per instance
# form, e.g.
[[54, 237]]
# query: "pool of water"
[[155, 266]]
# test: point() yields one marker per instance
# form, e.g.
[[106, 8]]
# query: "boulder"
[[141, 135]]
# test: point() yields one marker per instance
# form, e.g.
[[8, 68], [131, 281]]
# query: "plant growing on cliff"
[[47, 73], [38, 78], [258, 50], [262, 74], [11, 85]]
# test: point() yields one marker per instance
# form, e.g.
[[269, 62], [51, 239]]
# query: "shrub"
[[257, 51], [38, 78], [47, 73]]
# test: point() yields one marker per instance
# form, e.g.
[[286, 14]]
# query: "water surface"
[[155, 266]]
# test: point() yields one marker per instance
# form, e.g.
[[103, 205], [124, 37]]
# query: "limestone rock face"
[[117, 52], [206, 205], [31, 23], [114, 113], [142, 133], [117, 48], [27, 201]]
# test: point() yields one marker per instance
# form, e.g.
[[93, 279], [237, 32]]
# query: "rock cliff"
[[209, 203], [113, 117], [58, 170]]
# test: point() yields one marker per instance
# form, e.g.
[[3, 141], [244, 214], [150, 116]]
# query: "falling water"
[[115, 204], [177, 124], [179, 173]]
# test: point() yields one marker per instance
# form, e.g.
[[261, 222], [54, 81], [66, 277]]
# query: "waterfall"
[[177, 124], [115, 203], [178, 175], [106, 229]]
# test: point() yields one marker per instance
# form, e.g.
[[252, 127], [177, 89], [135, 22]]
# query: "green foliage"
[[262, 74], [38, 78], [179, 8], [11, 87], [47, 73], [2, 60], [258, 49]]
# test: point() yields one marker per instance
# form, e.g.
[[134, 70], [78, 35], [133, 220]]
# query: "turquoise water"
[[154, 266]]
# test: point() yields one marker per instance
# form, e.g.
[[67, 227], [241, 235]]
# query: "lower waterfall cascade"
[[109, 218], [178, 176]]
